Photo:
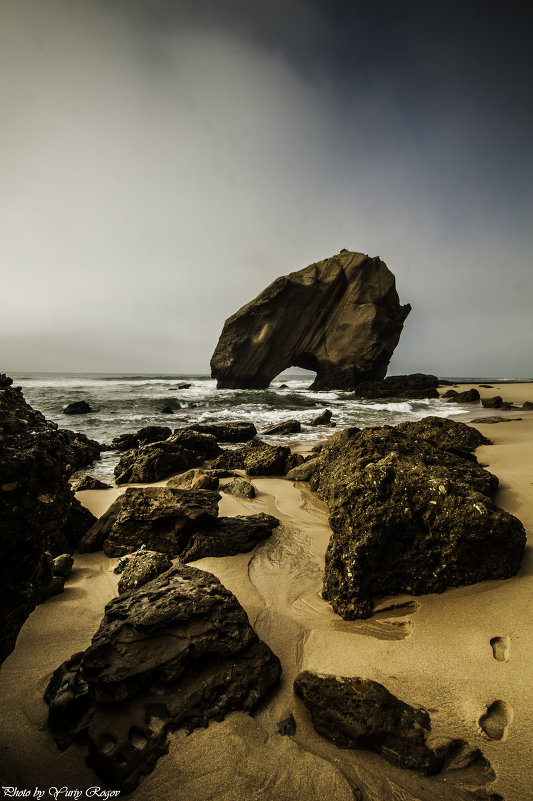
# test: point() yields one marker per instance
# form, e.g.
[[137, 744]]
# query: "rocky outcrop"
[[492, 403], [145, 566], [154, 462], [235, 431], [38, 512], [77, 407], [240, 488], [468, 396], [282, 429], [228, 536], [161, 518], [87, 482], [410, 387], [176, 653], [340, 317], [201, 443], [323, 419], [408, 516]]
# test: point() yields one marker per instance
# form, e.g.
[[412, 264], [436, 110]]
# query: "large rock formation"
[[39, 515], [340, 317], [176, 653], [409, 513]]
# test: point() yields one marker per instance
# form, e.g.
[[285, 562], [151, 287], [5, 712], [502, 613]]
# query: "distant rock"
[[408, 516], [240, 488], [176, 653], [527, 405], [154, 462], [228, 536], [144, 567], [236, 431], [77, 407], [323, 419], [492, 403], [39, 516], [167, 410], [414, 386], [282, 429], [283, 386], [468, 396], [162, 518], [340, 317], [195, 479], [184, 386], [87, 482], [494, 419]]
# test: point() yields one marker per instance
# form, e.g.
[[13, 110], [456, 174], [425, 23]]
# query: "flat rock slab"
[[176, 653], [228, 536]]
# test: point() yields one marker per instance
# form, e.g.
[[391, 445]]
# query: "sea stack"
[[340, 317]]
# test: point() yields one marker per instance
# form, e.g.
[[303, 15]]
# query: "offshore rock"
[[77, 407], [282, 429], [161, 518], [235, 431], [228, 536], [340, 317], [411, 387], [409, 517], [176, 653], [154, 462], [323, 419], [38, 512]]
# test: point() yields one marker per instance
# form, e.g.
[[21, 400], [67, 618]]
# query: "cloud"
[[165, 162]]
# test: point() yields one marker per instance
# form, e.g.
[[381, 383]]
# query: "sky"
[[162, 161]]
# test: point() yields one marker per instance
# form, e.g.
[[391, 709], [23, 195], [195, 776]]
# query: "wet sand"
[[464, 655]]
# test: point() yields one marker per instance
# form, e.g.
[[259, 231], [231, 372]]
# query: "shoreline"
[[430, 650]]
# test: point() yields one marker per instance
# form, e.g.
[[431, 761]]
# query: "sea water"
[[124, 403]]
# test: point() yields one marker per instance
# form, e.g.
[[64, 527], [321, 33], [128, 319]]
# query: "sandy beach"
[[456, 654]]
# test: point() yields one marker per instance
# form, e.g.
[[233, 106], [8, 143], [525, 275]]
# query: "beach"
[[456, 654]]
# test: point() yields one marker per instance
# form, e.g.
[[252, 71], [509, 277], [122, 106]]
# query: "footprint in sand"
[[496, 719], [500, 648]]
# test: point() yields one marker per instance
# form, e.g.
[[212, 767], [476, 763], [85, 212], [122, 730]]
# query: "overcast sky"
[[162, 161]]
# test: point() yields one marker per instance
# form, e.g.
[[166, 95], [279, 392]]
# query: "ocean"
[[125, 403]]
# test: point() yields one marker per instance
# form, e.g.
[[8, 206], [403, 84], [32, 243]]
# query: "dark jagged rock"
[[527, 405], [340, 317], [161, 518], [261, 459], [195, 479], [168, 410], [240, 488], [202, 444], [228, 536], [354, 713], [78, 407], [288, 427], [416, 385], [149, 434], [322, 419], [492, 403], [87, 482], [93, 539], [79, 521], [61, 570], [144, 567], [38, 512], [408, 517], [63, 565], [494, 419], [154, 462], [449, 435], [236, 431], [125, 442], [229, 460], [287, 726], [184, 386], [176, 653], [469, 396]]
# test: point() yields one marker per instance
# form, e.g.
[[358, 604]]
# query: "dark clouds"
[[164, 161]]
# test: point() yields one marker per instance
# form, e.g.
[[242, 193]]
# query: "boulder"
[[282, 429], [303, 472], [168, 410], [527, 405], [412, 387], [340, 317], [492, 403], [236, 431], [195, 479], [357, 713], [161, 518], [240, 488], [184, 386], [124, 442], [202, 444], [469, 396], [87, 482], [154, 462], [38, 512], [228, 536], [176, 653], [407, 516], [261, 459], [62, 565], [323, 419], [144, 567], [228, 461], [148, 434], [448, 435], [77, 407], [61, 569]]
